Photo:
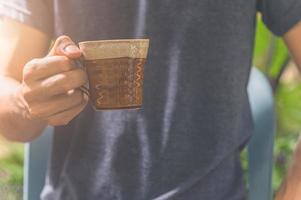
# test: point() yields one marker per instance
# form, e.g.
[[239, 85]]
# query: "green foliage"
[[12, 168], [279, 57], [288, 107], [270, 51], [284, 147], [11, 174], [244, 164], [262, 43], [288, 98]]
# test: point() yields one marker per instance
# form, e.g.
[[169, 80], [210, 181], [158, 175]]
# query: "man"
[[185, 141]]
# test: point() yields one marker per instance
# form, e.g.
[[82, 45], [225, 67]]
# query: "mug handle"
[[79, 63]]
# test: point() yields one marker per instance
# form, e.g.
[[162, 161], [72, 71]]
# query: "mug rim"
[[113, 41]]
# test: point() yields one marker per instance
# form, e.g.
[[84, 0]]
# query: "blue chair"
[[260, 149], [35, 164]]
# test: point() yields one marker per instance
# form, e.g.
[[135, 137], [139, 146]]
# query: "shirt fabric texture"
[[185, 141]]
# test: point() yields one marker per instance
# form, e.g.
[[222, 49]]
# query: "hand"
[[50, 86]]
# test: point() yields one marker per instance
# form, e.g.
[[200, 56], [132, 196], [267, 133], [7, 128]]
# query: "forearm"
[[291, 187], [15, 123], [293, 42]]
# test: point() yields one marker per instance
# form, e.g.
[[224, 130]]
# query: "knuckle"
[[30, 68], [33, 64], [63, 38]]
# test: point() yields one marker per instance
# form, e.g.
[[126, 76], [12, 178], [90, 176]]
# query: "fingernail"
[[71, 49]]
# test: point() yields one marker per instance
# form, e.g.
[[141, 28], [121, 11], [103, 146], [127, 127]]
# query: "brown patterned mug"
[[115, 71]]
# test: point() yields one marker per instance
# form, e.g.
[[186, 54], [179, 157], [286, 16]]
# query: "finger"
[[62, 83], [64, 46], [46, 67], [57, 104], [55, 85], [65, 117]]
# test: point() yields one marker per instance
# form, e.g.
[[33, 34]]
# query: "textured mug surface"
[[115, 71]]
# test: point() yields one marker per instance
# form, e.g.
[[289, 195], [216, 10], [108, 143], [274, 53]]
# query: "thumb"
[[64, 46]]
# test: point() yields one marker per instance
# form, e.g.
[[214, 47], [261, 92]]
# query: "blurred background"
[[271, 57]]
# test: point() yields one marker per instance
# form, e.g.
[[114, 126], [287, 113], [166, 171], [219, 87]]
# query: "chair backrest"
[[260, 149], [35, 165]]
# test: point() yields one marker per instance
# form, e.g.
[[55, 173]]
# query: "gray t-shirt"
[[184, 143]]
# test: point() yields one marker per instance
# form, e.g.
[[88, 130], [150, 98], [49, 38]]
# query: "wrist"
[[20, 126]]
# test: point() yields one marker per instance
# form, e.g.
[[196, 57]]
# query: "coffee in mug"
[[115, 71]]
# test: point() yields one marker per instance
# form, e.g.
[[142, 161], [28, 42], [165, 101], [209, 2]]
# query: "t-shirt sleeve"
[[35, 13], [280, 15]]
